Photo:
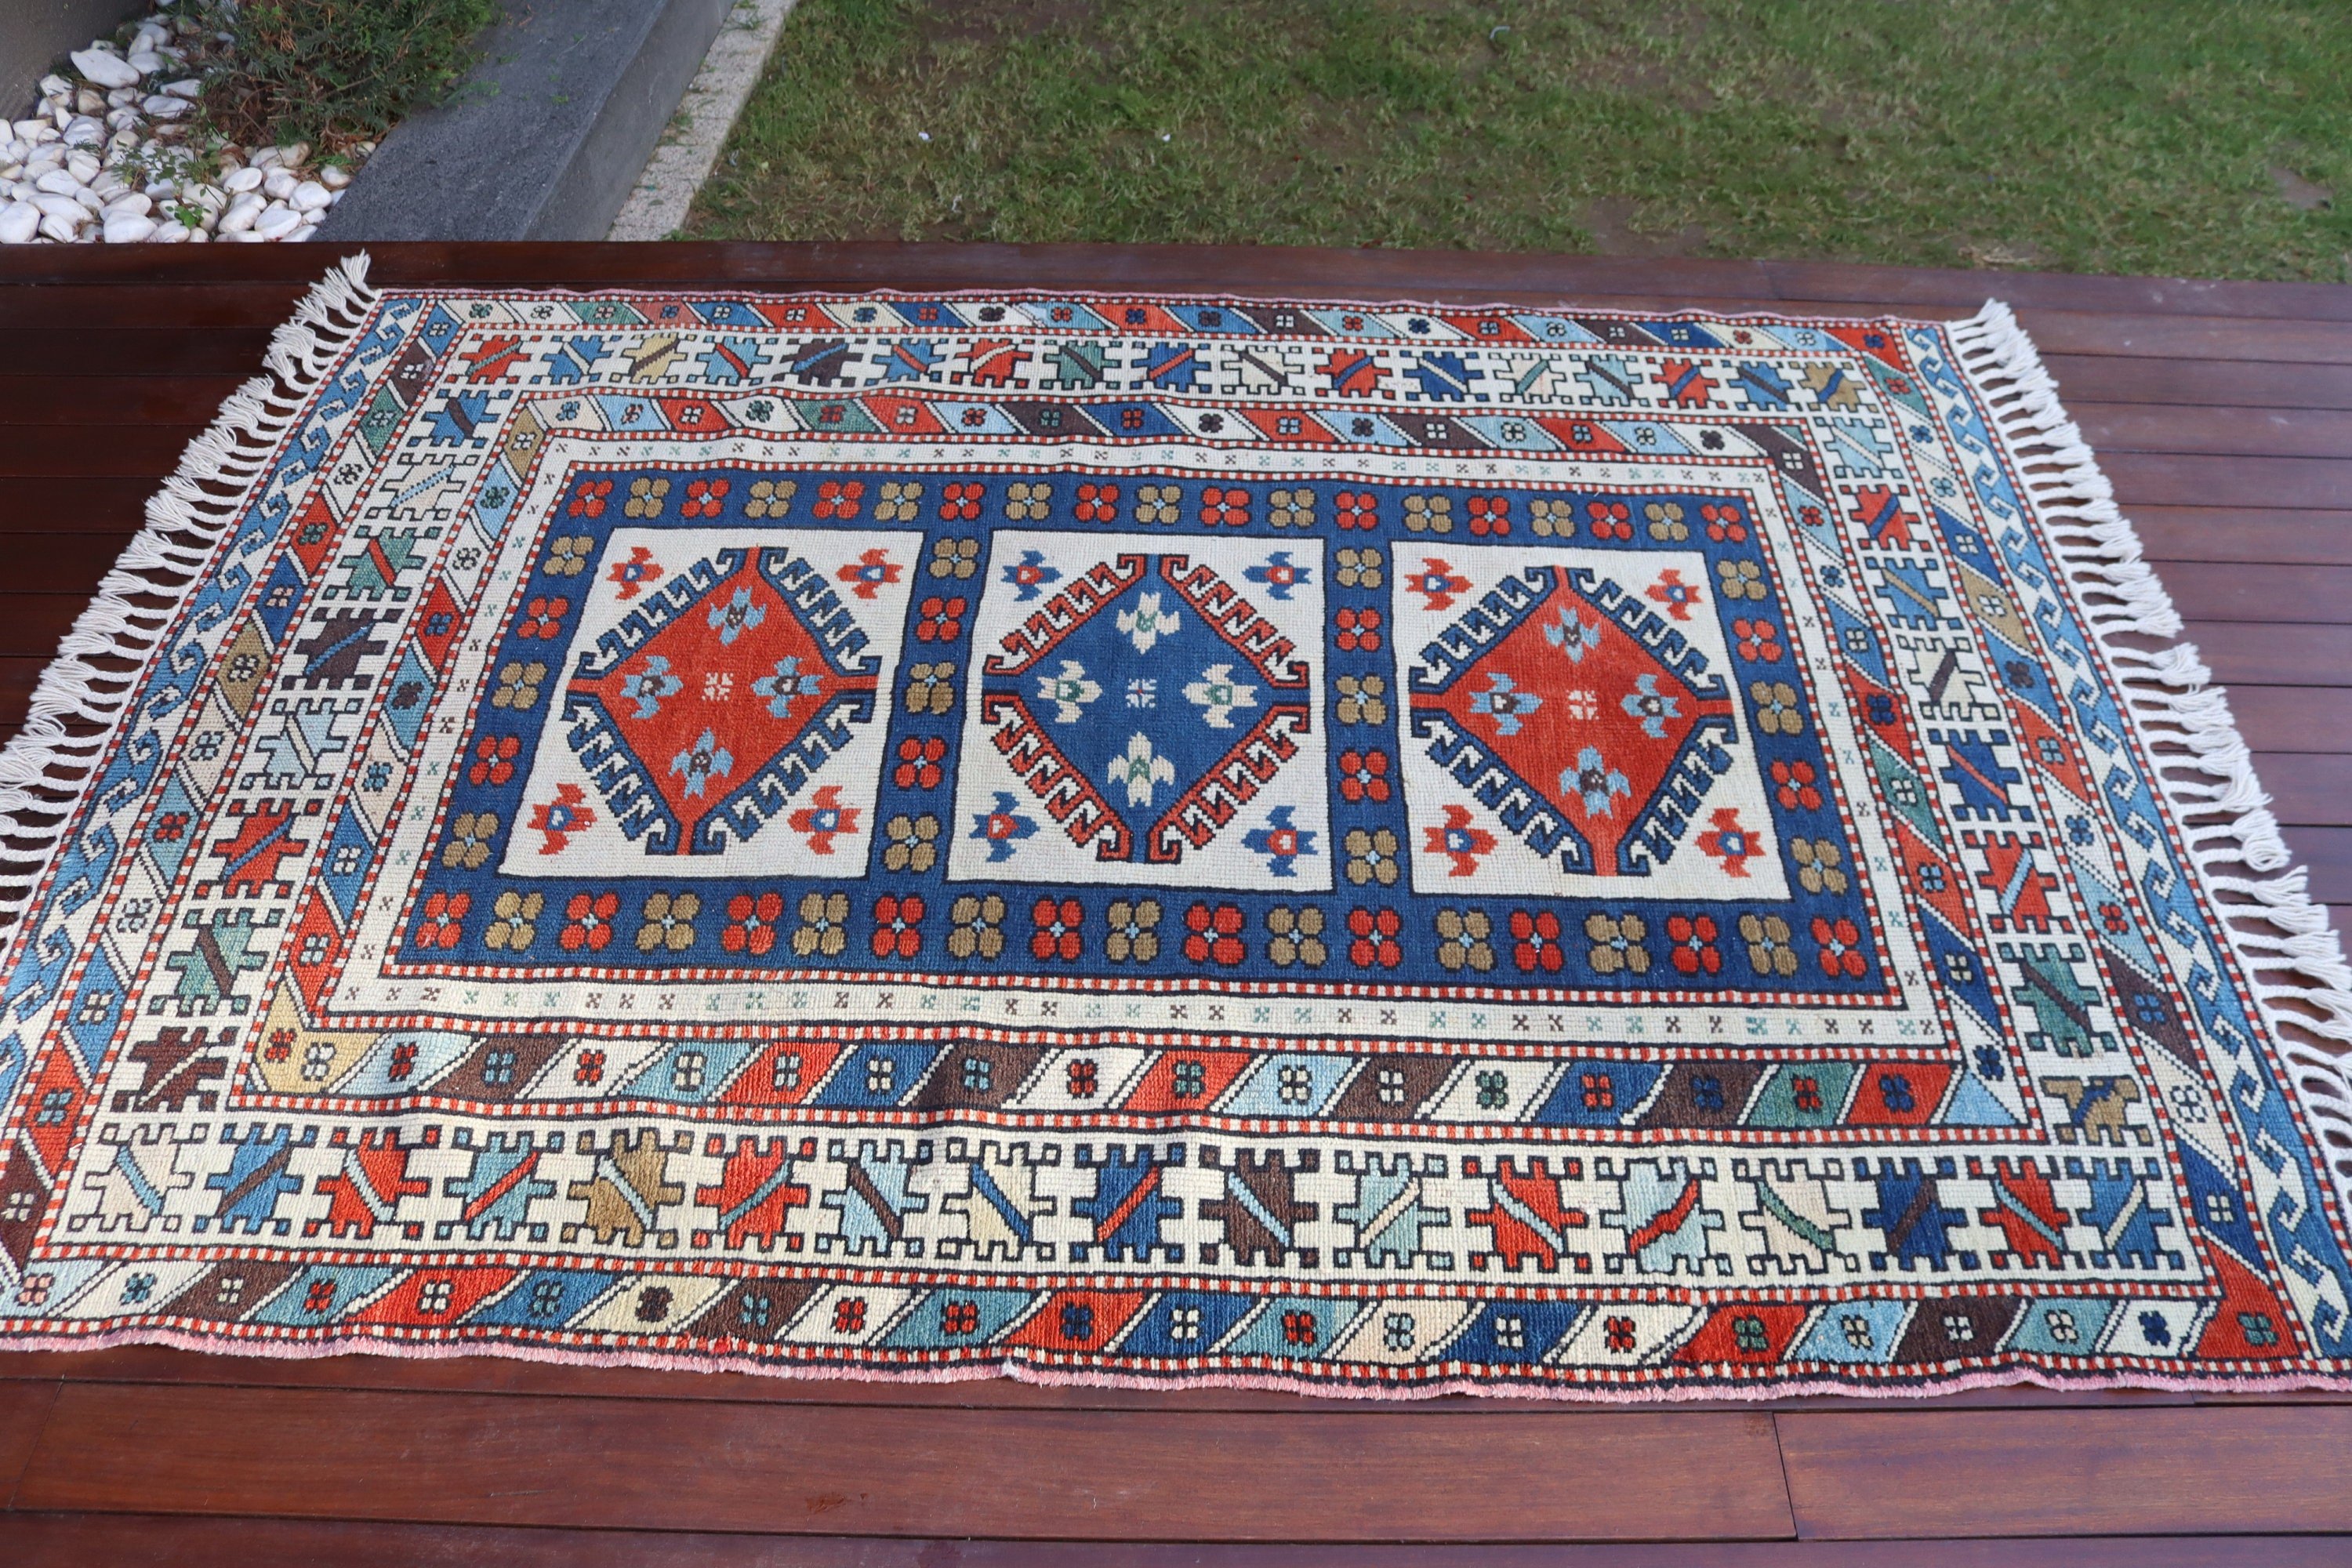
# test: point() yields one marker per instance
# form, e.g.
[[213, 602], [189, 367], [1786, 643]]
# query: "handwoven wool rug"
[[1364, 848]]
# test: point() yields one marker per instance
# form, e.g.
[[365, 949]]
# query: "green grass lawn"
[[2087, 135]]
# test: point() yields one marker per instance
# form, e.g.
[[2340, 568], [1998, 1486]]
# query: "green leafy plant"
[[334, 72]]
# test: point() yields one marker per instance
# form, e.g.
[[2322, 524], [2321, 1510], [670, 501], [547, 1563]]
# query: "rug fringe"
[[2283, 941], [47, 768]]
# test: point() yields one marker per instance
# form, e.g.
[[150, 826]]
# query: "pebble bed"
[[111, 154]]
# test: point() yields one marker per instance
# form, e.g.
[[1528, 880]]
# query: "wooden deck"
[[2222, 411]]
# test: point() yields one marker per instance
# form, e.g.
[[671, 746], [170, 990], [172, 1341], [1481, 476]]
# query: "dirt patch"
[[2299, 193], [973, 22], [1639, 76], [2001, 253], [1610, 221]]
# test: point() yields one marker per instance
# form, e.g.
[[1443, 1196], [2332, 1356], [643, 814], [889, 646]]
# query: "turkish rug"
[[1377, 849]]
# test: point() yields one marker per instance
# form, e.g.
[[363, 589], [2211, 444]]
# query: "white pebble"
[[310, 197], [241, 214], [334, 176], [57, 206], [55, 86], [19, 221], [265, 158], [124, 120], [173, 234], [277, 221], [280, 183], [240, 180], [57, 183], [191, 88], [105, 68], [89, 101], [163, 106], [153, 35], [107, 188], [243, 236], [133, 204], [300, 235], [83, 165], [124, 97], [209, 197], [84, 131], [129, 229], [294, 153], [147, 62], [61, 229]]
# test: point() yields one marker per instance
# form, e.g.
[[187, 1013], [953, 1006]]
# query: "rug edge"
[[46, 771], [2281, 940]]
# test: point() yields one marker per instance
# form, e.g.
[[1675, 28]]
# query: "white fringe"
[[2283, 941], [47, 770]]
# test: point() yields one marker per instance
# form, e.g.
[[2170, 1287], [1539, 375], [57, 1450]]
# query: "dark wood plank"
[[2328, 852], [1901, 286], [984, 266], [2294, 718], [156, 305], [2158, 478], [2187, 337], [2308, 790], [851, 1469], [2226, 531], [56, 562], [2239, 384], [2226, 432], [77, 1541], [73, 506], [76, 399], [24, 1410], [118, 352], [2281, 1468], [129, 447], [2229, 591], [2286, 653], [35, 621]]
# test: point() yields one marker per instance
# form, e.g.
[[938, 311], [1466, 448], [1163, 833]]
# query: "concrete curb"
[[547, 137], [689, 149]]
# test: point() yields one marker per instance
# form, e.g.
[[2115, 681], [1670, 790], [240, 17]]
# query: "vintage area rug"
[[1378, 849]]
